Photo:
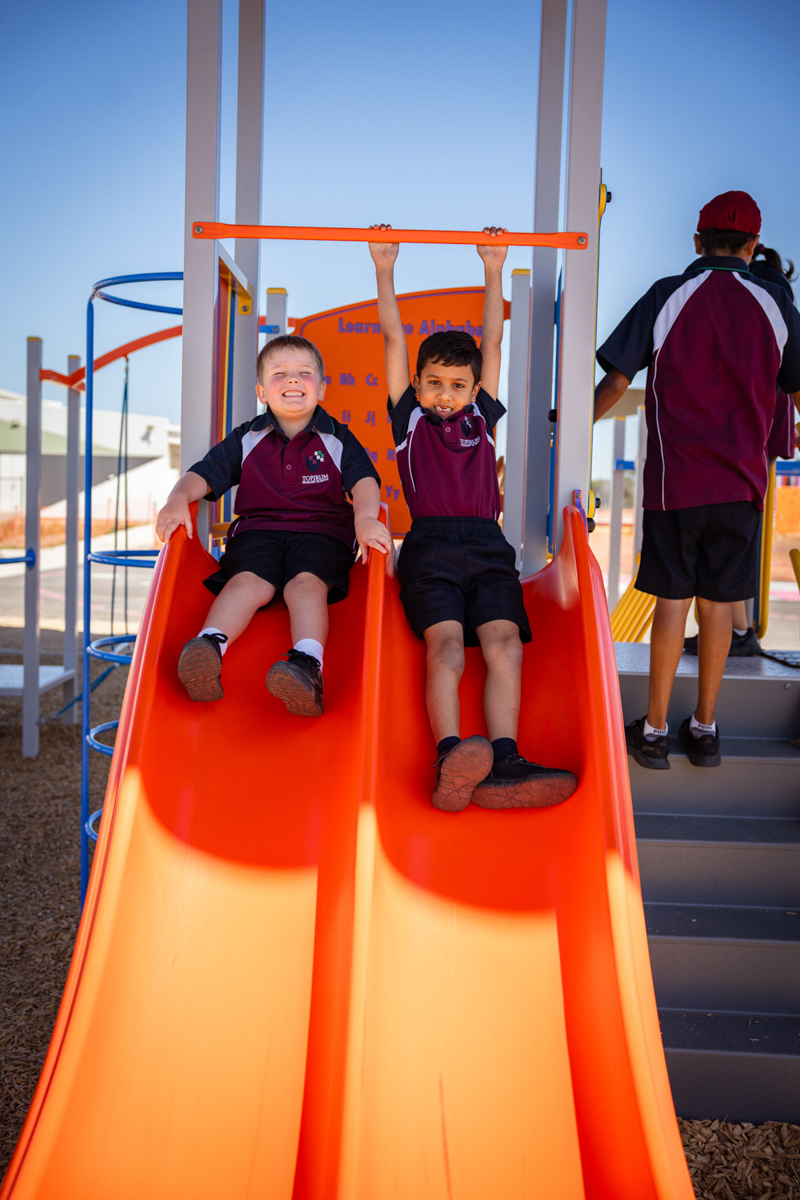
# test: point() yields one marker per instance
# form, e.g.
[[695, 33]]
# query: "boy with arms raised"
[[295, 534], [459, 583]]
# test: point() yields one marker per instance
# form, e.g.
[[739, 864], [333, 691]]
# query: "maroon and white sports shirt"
[[717, 342], [447, 465], [295, 486]]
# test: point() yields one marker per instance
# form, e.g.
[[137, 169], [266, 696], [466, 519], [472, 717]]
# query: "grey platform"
[[11, 678], [719, 853]]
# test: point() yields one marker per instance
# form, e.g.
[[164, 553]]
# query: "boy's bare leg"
[[237, 603], [714, 643], [739, 615], [445, 643], [298, 682], [306, 598], [666, 646], [502, 652]]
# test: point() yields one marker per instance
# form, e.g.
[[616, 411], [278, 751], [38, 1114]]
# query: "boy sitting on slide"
[[295, 534], [459, 583]]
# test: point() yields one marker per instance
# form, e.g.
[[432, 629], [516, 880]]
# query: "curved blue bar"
[[92, 741], [94, 648], [125, 558], [138, 304], [91, 832], [29, 558], [150, 277]]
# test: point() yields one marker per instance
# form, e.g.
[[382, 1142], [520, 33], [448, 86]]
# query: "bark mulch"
[[39, 898]]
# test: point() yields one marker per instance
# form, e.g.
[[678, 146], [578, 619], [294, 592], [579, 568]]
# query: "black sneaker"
[[743, 645], [513, 782], [654, 755], [703, 751], [200, 667], [459, 772], [298, 683]]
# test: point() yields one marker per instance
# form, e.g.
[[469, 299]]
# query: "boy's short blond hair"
[[289, 342]]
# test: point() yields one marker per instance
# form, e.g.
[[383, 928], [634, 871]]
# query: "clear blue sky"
[[419, 114]]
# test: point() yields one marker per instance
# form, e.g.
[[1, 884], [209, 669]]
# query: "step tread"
[[749, 750], [690, 1029], [633, 658], [722, 923], [722, 830]]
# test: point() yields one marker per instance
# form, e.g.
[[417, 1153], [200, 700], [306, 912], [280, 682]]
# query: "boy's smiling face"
[[445, 390], [290, 384]]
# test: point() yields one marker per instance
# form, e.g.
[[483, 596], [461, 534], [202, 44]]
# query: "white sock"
[[310, 646], [651, 733], [698, 729], [741, 632], [223, 646]]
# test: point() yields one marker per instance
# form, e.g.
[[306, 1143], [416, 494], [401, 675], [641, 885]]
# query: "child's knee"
[[308, 584], [503, 651], [447, 652]]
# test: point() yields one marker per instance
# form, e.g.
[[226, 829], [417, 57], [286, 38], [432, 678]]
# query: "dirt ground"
[[40, 872]]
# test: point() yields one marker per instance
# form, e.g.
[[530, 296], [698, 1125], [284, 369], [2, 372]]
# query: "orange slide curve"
[[295, 978]]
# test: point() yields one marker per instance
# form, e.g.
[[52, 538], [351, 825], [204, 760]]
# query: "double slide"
[[294, 979]]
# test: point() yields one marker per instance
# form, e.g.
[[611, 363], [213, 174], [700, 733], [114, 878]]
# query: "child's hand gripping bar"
[[455, 237]]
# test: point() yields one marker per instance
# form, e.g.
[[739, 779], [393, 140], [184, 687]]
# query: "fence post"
[[33, 492]]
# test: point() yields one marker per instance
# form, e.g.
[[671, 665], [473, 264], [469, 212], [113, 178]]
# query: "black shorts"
[[277, 557], [460, 569], [709, 551]]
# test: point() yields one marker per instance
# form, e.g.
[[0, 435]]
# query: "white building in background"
[[153, 458]]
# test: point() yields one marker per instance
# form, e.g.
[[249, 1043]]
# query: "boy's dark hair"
[[451, 348], [774, 260], [723, 239], [289, 342]]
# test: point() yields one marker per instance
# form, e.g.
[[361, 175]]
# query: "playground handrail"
[[76, 379], [439, 237]]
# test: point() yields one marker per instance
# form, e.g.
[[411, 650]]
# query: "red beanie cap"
[[731, 210]]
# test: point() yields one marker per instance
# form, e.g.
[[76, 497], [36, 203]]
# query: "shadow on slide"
[[294, 978]]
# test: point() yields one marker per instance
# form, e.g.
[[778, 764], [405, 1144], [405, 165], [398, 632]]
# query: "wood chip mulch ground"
[[39, 882]]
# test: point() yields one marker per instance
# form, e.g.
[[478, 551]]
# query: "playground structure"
[[310, 984]]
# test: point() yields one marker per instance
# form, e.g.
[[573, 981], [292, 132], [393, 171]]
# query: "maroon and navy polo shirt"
[[718, 342], [297, 485], [447, 465]]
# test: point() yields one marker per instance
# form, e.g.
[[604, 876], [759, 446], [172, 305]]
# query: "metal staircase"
[[719, 852]]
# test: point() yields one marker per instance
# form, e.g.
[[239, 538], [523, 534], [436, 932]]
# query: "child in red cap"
[[717, 342]]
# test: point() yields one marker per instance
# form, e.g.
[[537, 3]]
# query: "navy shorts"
[[460, 569], [710, 551], [278, 556]]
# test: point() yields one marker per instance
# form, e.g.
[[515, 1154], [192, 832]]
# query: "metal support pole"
[[617, 502], [579, 318], [70, 717], [275, 317], [543, 284], [249, 152], [33, 496], [513, 500], [200, 268], [638, 511]]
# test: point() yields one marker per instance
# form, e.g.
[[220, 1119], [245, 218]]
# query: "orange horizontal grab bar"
[[456, 237]]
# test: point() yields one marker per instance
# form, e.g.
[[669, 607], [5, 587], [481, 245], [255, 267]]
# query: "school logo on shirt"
[[466, 429], [314, 467], [314, 461]]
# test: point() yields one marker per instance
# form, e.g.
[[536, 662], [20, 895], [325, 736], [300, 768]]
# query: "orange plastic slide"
[[295, 978]]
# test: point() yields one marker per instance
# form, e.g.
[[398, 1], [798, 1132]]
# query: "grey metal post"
[[200, 267], [617, 502], [70, 717], [249, 143], [578, 330], [277, 300], [638, 511], [33, 492], [517, 420], [552, 49]]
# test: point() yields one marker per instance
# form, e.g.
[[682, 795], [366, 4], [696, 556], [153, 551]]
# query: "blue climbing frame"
[[101, 648]]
